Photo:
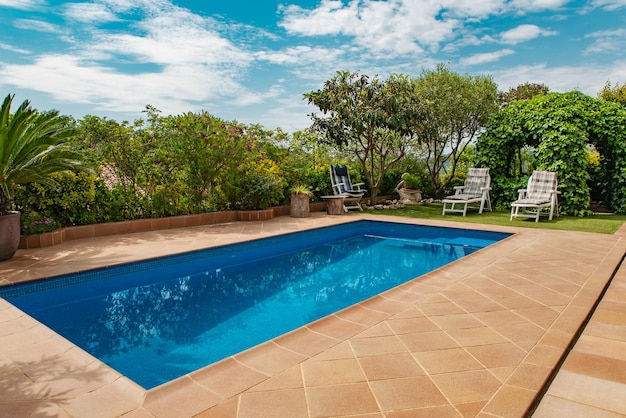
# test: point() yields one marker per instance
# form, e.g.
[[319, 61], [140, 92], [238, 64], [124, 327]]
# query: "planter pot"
[[299, 207], [410, 196], [9, 235]]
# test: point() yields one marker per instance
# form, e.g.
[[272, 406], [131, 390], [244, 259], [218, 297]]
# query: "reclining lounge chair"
[[342, 186], [475, 190], [540, 194]]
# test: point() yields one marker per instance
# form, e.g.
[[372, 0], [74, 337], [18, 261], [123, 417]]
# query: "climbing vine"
[[556, 129]]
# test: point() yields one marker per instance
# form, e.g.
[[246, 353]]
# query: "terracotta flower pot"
[[9, 235]]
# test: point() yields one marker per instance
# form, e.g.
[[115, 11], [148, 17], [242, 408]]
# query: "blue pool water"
[[157, 320]]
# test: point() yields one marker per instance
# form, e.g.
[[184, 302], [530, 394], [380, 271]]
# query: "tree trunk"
[[299, 207]]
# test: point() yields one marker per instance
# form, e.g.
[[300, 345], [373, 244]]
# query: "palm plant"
[[33, 145]]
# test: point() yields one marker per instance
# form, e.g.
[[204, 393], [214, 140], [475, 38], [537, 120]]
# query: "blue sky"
[[252, 61]]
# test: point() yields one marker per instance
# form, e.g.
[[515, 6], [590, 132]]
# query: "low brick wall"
[[70, 233]]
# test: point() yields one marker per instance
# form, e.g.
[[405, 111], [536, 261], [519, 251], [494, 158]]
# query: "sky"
[[252, 61]]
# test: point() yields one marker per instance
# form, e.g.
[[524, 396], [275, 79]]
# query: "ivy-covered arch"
[[557, 128]]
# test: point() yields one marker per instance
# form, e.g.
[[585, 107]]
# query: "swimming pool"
[[160, 319]]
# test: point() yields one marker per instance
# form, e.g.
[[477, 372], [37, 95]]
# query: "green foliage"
[[370, 119], [457, 107], [67, 198], [613, 93], [32, 222], [254, 188], [557, 128], [411, 181], [33, 145]]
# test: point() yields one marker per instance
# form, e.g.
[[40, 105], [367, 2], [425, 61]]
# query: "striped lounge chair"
[[540, 197], [474, 190]]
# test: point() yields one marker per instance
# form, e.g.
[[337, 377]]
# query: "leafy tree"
[[457, 108], [614, 93], [370, 119]]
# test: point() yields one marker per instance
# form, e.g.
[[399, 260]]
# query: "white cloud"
[[485, 57], [36, 25], [22, 4], [606, 41], [526, 6], [562, 78], [608, 4], [395, 26], [300, 55], [11, 48], [524, 33], [89, 12]]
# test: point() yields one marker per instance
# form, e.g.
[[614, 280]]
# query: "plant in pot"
[[409, 189], [299, 198], [33, 145]]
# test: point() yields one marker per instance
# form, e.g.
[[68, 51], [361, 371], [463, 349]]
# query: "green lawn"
[[603, 224]]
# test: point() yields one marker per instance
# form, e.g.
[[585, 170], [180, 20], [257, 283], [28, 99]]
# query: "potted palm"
[[299, 201], [33, 145]]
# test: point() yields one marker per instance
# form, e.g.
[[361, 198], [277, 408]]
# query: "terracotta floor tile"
[[497, 355], [428, 341], [335, 327], [276, 404], [509, 401], [269, 358], [333, 372], [591, 391], [447, 322], [390, 366], [446, 411], [361, 315], [446, 361], [226, 409], [377, 346], [551, 406], [443, 308], [500, 317], [467, 386], [601, 346], [411, 325], [525, 331], [352, 399], [289, 379], [228, 377], [306, 342], [408, 393], [601, 367], [476, 336], [529, 376]]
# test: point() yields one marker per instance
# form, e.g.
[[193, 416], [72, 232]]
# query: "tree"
[[457, 107], [372, 120], [522, 92], [614, 93]]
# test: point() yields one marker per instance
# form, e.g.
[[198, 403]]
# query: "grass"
[[602, 224]]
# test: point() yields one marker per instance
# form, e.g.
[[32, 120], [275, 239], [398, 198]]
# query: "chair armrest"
[[521, 193], [458, 189], [357, 186]]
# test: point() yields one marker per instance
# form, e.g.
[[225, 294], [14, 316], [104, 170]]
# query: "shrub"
[[32, 222]]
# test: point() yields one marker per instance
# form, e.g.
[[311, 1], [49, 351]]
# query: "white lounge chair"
[[540, 195], [475, 189], [342, 186]]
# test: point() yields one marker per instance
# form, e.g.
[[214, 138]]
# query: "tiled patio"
[[479, 337]]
